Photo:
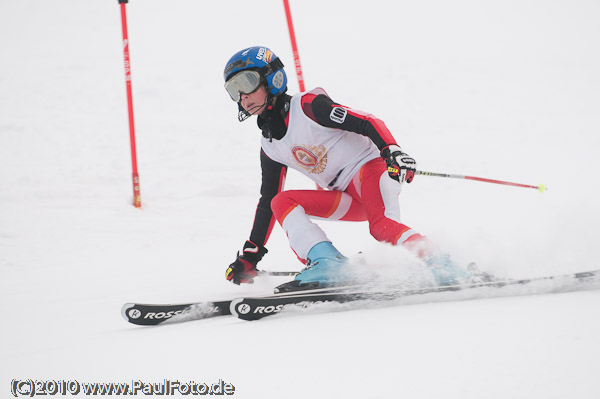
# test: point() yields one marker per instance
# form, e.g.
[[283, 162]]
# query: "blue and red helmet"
[[262, 60]]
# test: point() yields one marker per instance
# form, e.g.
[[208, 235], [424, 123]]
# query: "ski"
[[144, 314], [155, 314], [255, 308]]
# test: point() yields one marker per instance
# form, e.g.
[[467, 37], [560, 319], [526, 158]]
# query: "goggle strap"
[[271, 67]]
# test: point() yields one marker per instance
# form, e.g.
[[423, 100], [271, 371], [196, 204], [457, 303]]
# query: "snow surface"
[[501, 89]]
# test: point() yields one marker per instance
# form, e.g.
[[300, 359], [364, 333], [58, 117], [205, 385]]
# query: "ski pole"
[[285, 274], [541, 188]]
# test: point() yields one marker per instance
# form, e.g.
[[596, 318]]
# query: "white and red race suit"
[[339, 149]]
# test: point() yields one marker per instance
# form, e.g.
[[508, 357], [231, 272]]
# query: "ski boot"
[[445, 271], [478, 276], [324, 269]]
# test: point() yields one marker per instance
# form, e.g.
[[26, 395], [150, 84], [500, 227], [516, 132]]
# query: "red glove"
[[243, 269]]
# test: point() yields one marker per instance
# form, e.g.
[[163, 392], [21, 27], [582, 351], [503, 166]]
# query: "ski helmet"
[[263, 60]]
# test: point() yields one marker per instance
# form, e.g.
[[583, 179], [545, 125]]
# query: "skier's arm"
[[273, 178], [324, 111], [243, 269]]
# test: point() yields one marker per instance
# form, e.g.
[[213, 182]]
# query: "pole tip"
[[541, 188]]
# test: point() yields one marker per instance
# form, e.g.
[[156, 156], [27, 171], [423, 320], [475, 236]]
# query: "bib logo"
[[311, 158]]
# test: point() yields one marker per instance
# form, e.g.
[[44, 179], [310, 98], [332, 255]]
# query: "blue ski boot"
[[445, 271], [324, 269]]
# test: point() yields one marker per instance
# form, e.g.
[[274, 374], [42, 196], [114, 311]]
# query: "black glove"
[[243, 270], [401, 167]]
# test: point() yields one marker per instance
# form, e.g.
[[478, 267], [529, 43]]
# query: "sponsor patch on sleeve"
[[338, 114]]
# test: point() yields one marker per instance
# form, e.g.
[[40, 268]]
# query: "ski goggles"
[[244, 82]]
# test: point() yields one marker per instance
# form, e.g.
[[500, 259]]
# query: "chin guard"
[[242, 113]]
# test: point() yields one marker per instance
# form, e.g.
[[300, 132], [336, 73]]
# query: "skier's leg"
[[292, 209], [379, 196]]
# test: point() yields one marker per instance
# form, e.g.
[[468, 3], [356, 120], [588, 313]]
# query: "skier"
[[350, 153]]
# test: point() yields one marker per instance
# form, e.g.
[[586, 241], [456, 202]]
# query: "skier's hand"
[[243, 269], [401, 167]]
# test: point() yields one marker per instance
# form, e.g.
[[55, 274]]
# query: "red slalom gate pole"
[[288, 15], [541, 188], [137, 199]]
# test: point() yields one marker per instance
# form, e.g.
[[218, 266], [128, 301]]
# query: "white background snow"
[[501, 89]]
